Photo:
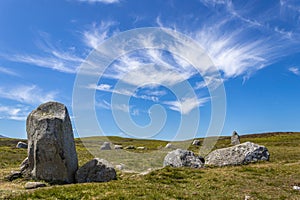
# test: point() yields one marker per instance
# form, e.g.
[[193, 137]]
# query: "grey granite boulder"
[[96, 170], [183, 158], [21, 145], [105, 146], [51, 148], [237, 155], [235, 138]]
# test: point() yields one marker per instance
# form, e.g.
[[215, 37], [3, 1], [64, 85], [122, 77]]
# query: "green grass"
[[263, 180]]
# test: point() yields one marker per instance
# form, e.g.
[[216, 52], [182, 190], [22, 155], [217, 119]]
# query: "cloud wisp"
[[294, 70], [31, 94], [18, 112]]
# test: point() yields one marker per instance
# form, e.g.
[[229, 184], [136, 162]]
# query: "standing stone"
[[169, 146], [105, 146], [96, 170], [51, 148], [183, 158], [235, 138], [21, 145], [244, 153]]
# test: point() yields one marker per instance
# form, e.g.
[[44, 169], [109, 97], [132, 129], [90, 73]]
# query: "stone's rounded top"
[[234, 133], [50, 110]]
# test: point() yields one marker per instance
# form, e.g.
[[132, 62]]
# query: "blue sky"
[[253, 44]]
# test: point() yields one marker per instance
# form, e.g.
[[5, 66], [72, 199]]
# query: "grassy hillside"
[[263, 180]]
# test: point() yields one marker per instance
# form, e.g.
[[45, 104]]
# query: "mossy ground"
[[263, 180]]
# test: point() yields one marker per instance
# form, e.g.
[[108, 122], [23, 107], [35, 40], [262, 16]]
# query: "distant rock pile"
[[51, 153], [237, 155]]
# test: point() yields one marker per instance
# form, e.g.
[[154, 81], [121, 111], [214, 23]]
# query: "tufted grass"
[[263, 180]]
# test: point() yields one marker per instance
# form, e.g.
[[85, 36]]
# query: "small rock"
[[33, 185], [169, 146], [120, 166], [21, 145], [105, 146], [247, 197], [118, 146], [140, 148], [183, 158], [13, 175], [130, 147], [295, 187], [237, 155], [96, 170], [196, 142], [235, 138]]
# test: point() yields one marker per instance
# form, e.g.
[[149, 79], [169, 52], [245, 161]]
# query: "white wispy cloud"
[[31, 94], [7, 71], [186, 105], [146, 94], [294, 70], [18, 112], [97, 33], [49, 56], [101, 1]]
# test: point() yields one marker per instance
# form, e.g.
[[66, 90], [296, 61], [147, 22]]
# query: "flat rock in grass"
[[183, 158], [33, 185], [130, 147], [96, 170], [51, 149], [240, 154], [170, 146], [21, 145], [118, 146], [141, 148], [13, 175]]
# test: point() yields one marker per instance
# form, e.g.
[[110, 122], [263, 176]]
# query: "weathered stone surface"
[[21, 145], [237, 155], [13, 175], [24, 167], [105, 146], [183, 158], [196, 142], [96, 170], [51, 148], [235, 138], [33, 185], [118, 146]]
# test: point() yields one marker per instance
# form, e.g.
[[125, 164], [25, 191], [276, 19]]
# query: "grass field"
[[263, 180]]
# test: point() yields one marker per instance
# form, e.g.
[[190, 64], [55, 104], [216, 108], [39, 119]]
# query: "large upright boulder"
[[51, 148], [235, 138], [183, 158], [237, 155]]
